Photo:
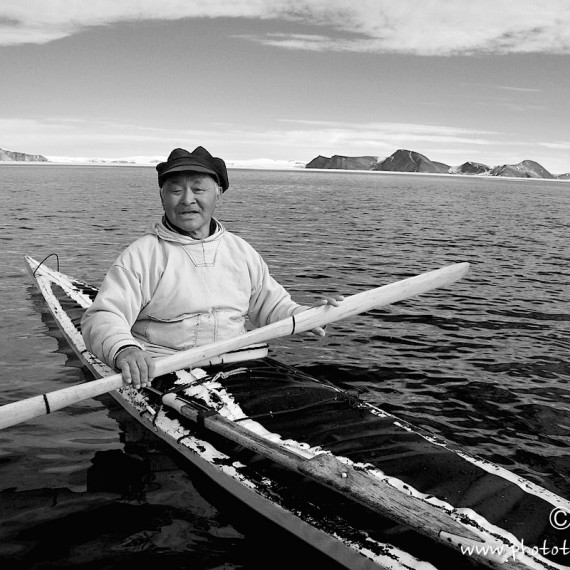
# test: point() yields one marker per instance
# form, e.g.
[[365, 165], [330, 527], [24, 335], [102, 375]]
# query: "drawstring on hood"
[[169, 232]]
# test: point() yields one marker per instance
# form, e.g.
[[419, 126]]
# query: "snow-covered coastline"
[[258, 163]]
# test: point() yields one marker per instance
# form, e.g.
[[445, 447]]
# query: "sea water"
[[483, 362]]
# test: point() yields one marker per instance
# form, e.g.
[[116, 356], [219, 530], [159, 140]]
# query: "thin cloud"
[[377, 138], [556, 145], [386, 127], [519, 89], [428, 28]]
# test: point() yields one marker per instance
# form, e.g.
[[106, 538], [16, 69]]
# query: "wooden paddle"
[[17, 412]]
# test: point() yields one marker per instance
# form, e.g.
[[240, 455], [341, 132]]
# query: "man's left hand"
[[329, 300]]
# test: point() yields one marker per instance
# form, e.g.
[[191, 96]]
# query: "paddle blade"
[[380, 297]]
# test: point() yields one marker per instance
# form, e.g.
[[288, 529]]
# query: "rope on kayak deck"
[[44, 260]]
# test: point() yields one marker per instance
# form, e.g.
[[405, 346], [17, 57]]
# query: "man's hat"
[[199, 160]]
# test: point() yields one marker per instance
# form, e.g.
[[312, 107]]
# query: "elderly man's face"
[[189, 201]]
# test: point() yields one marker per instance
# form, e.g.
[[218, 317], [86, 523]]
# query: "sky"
[[288, 80]]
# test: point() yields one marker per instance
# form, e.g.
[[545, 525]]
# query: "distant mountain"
[[471, 168], [410, 161], [524, 169], [344, 162], [8, 155]]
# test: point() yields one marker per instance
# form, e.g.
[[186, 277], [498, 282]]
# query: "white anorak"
[[168, 292]]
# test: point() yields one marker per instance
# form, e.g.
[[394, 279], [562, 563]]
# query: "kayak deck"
[[297, 408]]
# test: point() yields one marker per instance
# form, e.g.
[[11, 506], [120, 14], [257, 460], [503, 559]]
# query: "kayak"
[[355, 482]]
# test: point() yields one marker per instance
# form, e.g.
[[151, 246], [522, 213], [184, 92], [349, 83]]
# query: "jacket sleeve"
[[106, 325], [270, 301]]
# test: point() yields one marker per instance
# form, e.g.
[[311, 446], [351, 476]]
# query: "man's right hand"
[[137, 367]]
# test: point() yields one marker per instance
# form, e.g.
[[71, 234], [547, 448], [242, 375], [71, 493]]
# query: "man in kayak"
[[187, 282]]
